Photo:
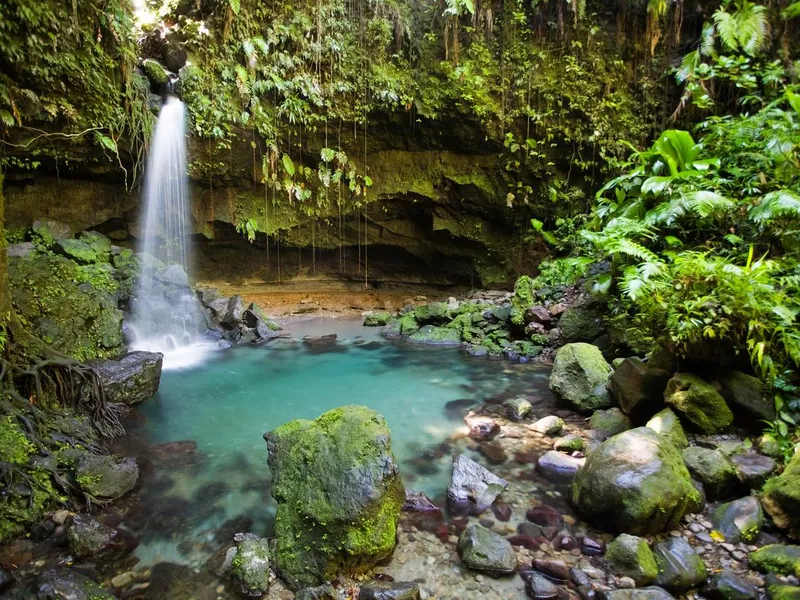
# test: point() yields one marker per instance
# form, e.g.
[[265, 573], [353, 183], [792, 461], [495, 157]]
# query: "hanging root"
[[75, 386]]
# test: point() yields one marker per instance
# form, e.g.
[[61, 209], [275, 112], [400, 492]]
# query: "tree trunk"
[[5, 291]]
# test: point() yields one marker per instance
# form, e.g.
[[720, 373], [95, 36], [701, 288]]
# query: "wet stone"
[[389, 591], [555, 570], [592, 547], [502, 511], [558, 466], [753, 469], [483, 429], [540, 588], [729, 586], [544, 515]]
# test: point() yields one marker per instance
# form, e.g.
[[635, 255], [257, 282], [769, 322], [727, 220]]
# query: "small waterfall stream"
[[166, 315]]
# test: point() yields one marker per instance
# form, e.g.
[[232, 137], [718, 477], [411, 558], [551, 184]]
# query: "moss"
[[377, 319], [777, 558], [18, 511], [77, 250], [408, 324], [523, 299], [155, 72], [100, 276], [781, 496], [15, 447], [631, 556], [699, 402]]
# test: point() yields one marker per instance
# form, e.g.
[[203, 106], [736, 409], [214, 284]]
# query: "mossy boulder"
[[76, 250], [698, 402], [630, 556], [250, 566], [610, 421], [429, 335], [104, 476], [377, 319], [155, 72], [679, 567], [778, 590], [569, 443], [132, 378], [781, 497], [99, 243], [634, 482], [73, 318], [339, 495], [740, 520], [65, 584], [666, 424], [484, 550], [44, 233], [776, 558], [432, 313], [745, 394], [713, 469], [581, 323], [580, 377], [638, 387], [726, 585]]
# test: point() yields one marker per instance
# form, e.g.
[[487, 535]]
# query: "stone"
[[155, 72], [47, 231], [699, 402], [66, 584], [432, 313], [551, 425], [234, 312], [482, 429], [483, 550], [428, 335], [555, 570], [558, 466], [89, 537], [634, 482], [538, 314], [776, 558], [518, 408], [592, 547], [778, 590], [377, 319], [753, 469], [781, 497], [419, 502], [745, 394], [322, 592], [679, 566], [473, 488], [666, 424], [97, 242], [726, 585], [580, 377], [769, 446], [339, 495], [630, 556], [539, 587], [638, 387], [610, 421], [106, 477], [20, 250], [544, 516], [711, 468], [250, 565], [740, 520], [380, 590], [131, 379], [76, 250], [181, 582], [581, 323], [646, 593], [569, 443]]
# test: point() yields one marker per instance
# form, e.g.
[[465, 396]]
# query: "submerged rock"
[[580, 377], [646, 593], [473, 488], [638, 387], [65, 584], [518, 408], [250, 566], [781, 498], [540, 587], [699, 402], [740, 520], [666, 424], [634, 482], [339, 495], [322, 592], [379, 590], [131, 379], [679, 566], [630, 556], [483, 550]]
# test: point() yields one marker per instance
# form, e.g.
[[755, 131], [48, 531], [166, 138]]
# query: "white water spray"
[[166, 316]]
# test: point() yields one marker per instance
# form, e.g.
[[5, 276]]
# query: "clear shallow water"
[[226, 405]]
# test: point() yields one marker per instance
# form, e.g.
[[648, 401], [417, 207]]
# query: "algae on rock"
[[339, 495]]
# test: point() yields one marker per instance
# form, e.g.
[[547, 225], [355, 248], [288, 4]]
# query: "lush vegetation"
[[701, 231]]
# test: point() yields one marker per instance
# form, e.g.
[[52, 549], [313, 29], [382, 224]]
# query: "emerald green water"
[[227, 403]]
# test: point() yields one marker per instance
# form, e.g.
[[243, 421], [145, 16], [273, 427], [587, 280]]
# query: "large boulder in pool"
[[634, 482], [339, 495], [131, 379], [580, 377]]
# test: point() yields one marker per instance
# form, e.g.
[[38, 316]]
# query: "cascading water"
[[166, 316]]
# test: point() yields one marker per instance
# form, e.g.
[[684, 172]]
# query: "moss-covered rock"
[[630, 556], [745, 393], [569, 443], [610, 421], [711, 468], [432, 313], [638, 387], [155, 72], [777, 558], [679, 567], [666, 424], [699, 402], [740, 520], [484, 550], [781, 497], [74, 318], [76, 250], [580, 377], [250, 566], [104, 476], [339, 495], [429, 335], [132, 378], [377, 319], [778, 590], [581, 323], [634, 482], [65, 584], [99, 243]]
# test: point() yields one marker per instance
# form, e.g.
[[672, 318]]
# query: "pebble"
[[60, 516], [626, 583], [695, 528], [122, 580], [705, 538], [739, 555], [594, 573], [728, 547], [431, 560]]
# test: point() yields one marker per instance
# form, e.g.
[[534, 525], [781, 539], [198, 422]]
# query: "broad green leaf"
[[288, 165]]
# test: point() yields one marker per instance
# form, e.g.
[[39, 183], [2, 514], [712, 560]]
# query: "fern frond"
[[777, 204], [726, 28]]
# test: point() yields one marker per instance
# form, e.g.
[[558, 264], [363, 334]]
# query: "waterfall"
[[167, 317]]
